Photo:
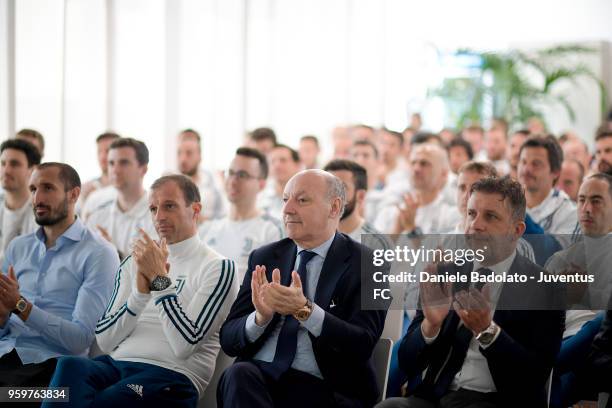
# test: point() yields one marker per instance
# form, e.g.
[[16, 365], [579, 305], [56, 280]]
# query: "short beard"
[[56, 215], [191, 172], [605, 167], [349, 208]]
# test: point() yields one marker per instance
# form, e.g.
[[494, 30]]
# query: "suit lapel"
[[335, 264], [286, 262]]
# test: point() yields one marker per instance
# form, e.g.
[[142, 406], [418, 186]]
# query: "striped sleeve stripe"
[[191, 332], [213, 304], [116, 288], [111, 320]]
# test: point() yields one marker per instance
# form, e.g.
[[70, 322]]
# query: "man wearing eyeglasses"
[[246, 227]]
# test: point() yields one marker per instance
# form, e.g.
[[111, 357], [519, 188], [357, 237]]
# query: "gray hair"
[[336, 189], [335, 186]]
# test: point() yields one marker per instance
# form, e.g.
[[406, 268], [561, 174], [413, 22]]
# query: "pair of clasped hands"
[[472, 306], [272, 297], [151, 260]]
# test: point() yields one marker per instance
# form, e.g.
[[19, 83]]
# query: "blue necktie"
[[287, 338]]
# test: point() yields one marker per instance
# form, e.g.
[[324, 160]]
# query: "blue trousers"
[[567, 388], [105, 382]]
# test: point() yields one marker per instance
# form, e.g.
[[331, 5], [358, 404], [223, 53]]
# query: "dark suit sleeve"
[[356, 335], [506, 354], [414, 354], [599, 361], [233, 334]]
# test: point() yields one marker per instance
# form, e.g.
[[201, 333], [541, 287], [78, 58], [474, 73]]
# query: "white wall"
[[147, 68]]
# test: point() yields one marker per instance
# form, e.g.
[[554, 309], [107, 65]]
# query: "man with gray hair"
[[423, 210], [297, 327]]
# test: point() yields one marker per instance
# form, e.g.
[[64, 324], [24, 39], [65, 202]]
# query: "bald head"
[[428, 167], [314, 202]]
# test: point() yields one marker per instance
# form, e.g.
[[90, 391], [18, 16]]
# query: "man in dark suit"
[[598, 367], [471, 348], [297, 326]]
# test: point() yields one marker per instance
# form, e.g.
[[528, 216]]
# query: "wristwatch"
[[21, 306], [415, 233], [304, 312], [160, 282], [486, 337]]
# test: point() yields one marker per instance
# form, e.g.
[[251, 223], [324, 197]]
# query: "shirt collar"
[[184, 247], [73, 233], [500, 267], [322, 249]]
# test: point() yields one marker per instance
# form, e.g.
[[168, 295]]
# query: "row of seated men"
[[303, 328]]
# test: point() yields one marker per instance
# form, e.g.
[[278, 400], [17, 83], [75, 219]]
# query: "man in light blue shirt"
[[55, 283]]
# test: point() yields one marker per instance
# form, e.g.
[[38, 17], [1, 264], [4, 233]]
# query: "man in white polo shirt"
[[119, 219], [539, 166], [18, 159], [246, 227]]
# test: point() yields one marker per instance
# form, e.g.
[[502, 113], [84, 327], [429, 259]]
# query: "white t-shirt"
[[556, 214], [374, 239], [97, 199], [176, 328], [14, 223], [270, 202], [214, 205], [123, 226], [436, 217], [237, 239]]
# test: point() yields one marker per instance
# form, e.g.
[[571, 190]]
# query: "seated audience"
[[119, 219], [595, 217], [577, 149], [103, 143], [516, 141], [423, 210], [246, 227], [18, 159], [342, 140], [189, 159], [603, 152], [365, 154], [309, 151], [55, 283], [355, 181], [570, 178], [475, 135], [459, 153], [302, 338], [496, 144], [284, 163], [392, 171], [161, 326], [538, 171], [34, 137], [262, 139]]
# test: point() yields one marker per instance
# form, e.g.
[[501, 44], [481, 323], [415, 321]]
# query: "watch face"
[[160, 283], [21, 305], [302, 314], [486, 337]]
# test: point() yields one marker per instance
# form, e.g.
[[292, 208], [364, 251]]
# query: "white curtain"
[[148, 68]]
